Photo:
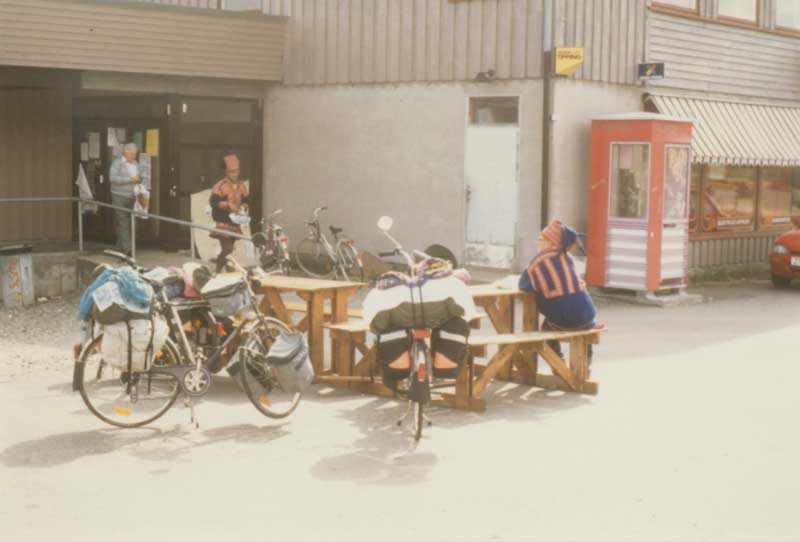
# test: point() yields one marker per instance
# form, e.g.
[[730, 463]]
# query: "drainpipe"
[[547, 111]]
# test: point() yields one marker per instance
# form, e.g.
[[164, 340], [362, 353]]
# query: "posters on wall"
[[84, 152], [151, 145]]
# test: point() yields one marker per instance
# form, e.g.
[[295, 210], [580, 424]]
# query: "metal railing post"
[[133, 235], [80, 226], [191, 240]]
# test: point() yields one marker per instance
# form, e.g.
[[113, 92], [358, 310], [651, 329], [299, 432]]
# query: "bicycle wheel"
[[313, 259], [256, 374], [104, 388], [351, 262]]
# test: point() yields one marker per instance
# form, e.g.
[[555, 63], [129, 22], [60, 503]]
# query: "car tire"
[[780, 282]]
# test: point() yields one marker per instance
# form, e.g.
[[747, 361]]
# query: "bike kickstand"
[[192, 415], [407, 414]]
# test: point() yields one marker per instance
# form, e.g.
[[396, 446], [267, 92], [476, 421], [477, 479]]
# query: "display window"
[[676, 183], [630, 167], [729, 198], [775, 201], [694, 197]]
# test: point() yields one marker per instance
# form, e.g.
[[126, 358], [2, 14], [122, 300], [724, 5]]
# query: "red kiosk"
[[639, 202]]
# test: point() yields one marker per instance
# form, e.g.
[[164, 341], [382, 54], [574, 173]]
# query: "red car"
[[784, 259]]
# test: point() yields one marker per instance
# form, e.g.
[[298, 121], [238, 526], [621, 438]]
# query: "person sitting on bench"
[[560, 293]]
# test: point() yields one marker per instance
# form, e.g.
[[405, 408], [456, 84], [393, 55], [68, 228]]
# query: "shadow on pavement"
[[147, 443], [386, 455]]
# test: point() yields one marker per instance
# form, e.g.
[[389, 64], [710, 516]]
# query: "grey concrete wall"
[[368, 151], [576, 102]]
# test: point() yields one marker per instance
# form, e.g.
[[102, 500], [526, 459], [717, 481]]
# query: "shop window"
[[630, 166], [729, 198], [745, 10], [787, 14], [775, 200], [676, 183], [499, 110], [694, 197], [690, 5]]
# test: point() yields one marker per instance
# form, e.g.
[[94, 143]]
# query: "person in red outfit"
[[228, 197]]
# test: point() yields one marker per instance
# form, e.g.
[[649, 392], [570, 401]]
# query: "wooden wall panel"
[[36, 154]]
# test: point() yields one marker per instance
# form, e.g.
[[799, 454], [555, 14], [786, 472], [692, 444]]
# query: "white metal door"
[[491, 184]]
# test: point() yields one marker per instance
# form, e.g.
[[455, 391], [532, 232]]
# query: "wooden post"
[[341, 351], [316, 316]]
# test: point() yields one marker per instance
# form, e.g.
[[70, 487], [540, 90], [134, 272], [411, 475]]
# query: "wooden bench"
[[515, 356]]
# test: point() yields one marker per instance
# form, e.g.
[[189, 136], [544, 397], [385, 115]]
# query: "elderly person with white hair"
[[124, 176]]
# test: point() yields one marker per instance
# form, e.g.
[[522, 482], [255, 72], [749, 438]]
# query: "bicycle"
[[125, 398], [420, 375], [272, 244], [317, 257]]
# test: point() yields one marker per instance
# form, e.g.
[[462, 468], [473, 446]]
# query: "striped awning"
[[737, 133]]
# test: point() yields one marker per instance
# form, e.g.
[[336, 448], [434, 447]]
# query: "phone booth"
[[638, 235]]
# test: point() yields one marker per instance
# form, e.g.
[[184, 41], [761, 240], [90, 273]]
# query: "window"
[[728, 198], [787, 14], [746, 10], [775, 200], [630, 171], [502, 110], [243, 5], [690, 5], [694, 197], [676, 183]]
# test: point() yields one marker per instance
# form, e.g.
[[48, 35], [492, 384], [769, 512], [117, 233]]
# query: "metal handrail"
[[81, 202]]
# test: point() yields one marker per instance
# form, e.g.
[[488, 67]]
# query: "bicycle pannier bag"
[[226, 294], [109, 306], [291, 363], [449, 348], [394, 354], [146, 338]]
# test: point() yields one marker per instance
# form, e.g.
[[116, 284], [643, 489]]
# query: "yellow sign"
[[152, 142], [568, 60]]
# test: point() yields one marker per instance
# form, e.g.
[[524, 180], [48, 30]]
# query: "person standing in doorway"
[[228, 197], [124, 176]]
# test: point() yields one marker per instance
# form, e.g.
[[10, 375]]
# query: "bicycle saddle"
[[336, 231]]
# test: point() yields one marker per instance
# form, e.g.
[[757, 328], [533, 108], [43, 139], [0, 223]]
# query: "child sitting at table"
[[560, 293]]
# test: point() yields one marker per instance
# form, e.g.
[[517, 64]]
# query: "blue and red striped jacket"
[[560, 294]]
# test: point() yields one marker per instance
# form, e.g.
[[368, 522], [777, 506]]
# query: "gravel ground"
[[38, 339]]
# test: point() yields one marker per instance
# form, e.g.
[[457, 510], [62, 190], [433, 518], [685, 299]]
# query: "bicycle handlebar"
[[120, 256]]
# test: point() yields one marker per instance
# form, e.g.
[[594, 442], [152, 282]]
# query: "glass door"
[[675, 233]]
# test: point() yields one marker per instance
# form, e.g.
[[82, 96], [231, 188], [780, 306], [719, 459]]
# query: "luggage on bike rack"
[[142, 337], [394, 348], [110, 307], [448, 346], [291, 363], [227, 295]]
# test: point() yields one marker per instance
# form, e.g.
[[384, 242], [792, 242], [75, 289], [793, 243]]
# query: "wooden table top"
[[303, 284], [479, 291]]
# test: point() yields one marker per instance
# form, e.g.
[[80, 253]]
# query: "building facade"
[[441, 112]]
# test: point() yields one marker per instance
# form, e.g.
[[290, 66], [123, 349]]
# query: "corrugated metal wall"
[[36, 160], [376, 41], [76, 34], [721, 58], [721, 252], [611, 33]]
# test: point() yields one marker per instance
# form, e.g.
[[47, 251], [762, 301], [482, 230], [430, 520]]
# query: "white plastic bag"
[[84, 191], [115, 343]]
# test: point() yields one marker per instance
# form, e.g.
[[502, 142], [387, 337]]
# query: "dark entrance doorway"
[[185, 140]]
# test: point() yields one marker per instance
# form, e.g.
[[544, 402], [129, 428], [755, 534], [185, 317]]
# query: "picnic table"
[[314, 292], [500, 306]]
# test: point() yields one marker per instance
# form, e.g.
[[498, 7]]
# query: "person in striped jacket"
[[561, 294]]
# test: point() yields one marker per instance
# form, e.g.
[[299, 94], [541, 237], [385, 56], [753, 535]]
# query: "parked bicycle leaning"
[[320, 258], [136, 357], [272, 245]]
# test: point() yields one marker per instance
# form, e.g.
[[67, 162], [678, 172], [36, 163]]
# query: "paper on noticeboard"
[[84, 152], [145, 169], [94, 145], [151, 144]]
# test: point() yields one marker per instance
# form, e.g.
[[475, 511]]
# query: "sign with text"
[[651, 70], [568, 60]]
